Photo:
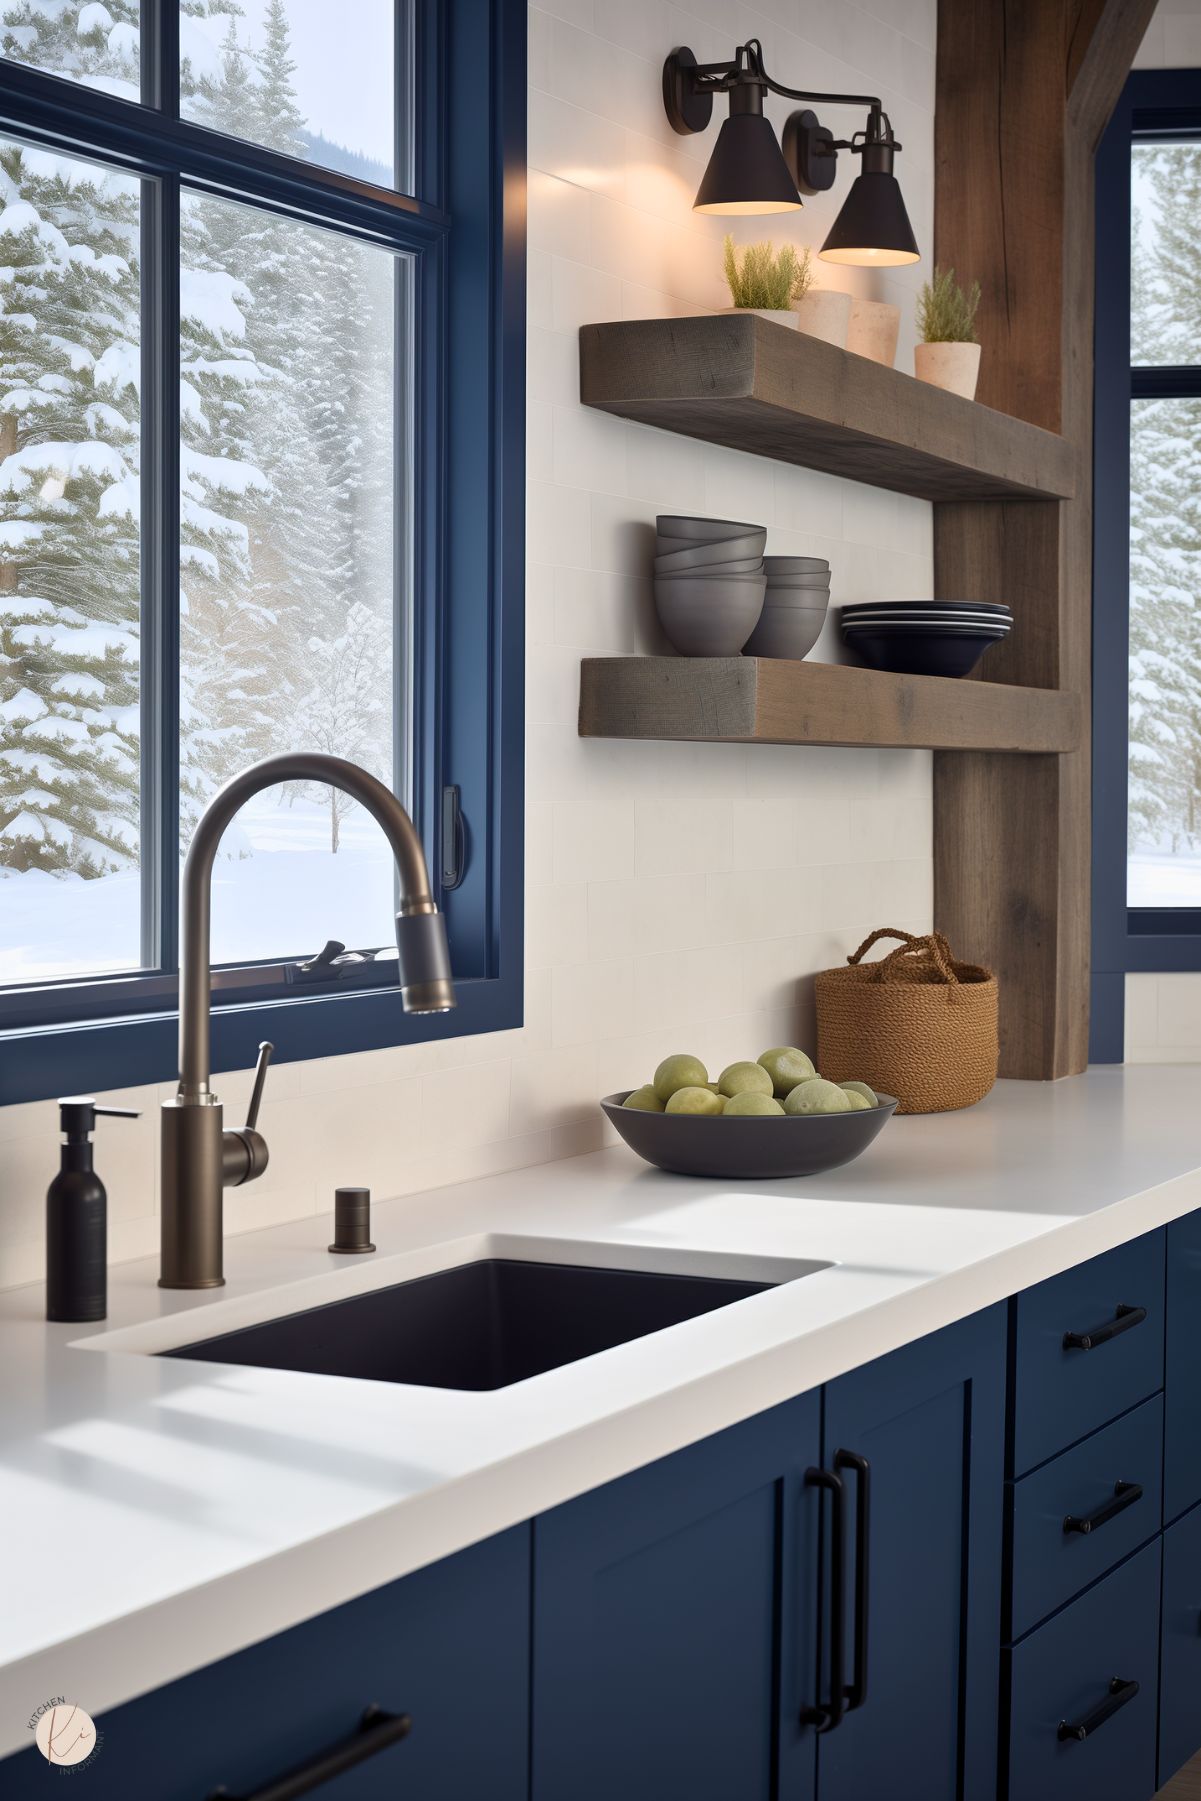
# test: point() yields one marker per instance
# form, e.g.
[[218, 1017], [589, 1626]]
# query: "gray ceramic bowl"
[[708, 618], [787, 632], [747, 1149], [709, 556], [723, 572], [707, 531], [819, 579], [796, 566]]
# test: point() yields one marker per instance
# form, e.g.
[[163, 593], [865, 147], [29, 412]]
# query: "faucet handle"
[[260, 1077]]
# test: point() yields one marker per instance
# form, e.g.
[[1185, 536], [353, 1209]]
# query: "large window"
[[260, 490], [1147, 564]]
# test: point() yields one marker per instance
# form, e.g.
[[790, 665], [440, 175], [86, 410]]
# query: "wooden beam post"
[[1025, 88]]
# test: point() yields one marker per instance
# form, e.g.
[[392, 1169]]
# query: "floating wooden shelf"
[[753, 385], [757, 700]]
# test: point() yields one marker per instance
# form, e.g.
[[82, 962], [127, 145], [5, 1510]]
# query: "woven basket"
[[916, 1024]]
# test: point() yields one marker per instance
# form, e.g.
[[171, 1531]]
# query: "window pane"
[[69, 567], [288, 557], [304, 78], [96, 42], [1165, 261], [1165, 654]]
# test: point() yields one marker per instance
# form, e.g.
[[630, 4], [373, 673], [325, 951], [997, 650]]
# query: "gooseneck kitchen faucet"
[[200, 1158]]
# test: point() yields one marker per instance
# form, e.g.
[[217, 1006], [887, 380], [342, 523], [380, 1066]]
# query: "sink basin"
[[481, 1325]]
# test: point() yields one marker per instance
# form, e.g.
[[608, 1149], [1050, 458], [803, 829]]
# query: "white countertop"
[[158, 1514]]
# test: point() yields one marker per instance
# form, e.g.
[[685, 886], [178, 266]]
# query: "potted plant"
[[822, 312], [766, 281], [873, 330], [948, 355]]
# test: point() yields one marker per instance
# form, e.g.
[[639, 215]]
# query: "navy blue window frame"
[[463, 228], [1154, 104]]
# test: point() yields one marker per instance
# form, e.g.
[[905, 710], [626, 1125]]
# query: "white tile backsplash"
[[677, 895]]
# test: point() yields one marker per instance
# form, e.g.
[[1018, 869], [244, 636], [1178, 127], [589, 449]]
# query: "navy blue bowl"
[[913, 650]]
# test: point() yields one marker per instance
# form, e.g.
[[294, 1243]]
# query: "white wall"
[[677, 897], [1163, 1012], [1173, 39]]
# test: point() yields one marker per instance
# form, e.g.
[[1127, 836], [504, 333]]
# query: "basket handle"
[[933, 948]]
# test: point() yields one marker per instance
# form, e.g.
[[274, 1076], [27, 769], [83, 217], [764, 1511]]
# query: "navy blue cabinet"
[[1180, 1646], [929, 1420], [1082, 1714], [675, 1624], [1182, 1417], [448, 1646]]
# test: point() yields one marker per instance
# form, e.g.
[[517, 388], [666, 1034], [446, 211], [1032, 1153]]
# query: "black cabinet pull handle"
[[1122, 1321], [824, 1718], [1125, 1494], [1120, 1692], [852, 1460], [376, 1731]]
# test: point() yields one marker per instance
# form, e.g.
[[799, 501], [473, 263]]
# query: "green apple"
[[786, 1066], [858, 1104], [644, 1100], [862, 1089], [680, 1071], [696, 1100], [744, 1078], [816, 1096], [747, 1104]]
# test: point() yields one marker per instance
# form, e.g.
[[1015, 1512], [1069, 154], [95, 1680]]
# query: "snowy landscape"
[[1165, 536], [287, 495]]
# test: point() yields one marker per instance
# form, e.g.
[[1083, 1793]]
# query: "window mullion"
[[160, 575]]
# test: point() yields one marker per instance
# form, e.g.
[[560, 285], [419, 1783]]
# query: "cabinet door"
[[674, 1622], [1182, 1378], [930, 1421], [1180, 1646], [449, 1646]]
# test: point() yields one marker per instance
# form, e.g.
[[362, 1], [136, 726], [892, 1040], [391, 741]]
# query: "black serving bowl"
[[747, 1149], [918, 650]]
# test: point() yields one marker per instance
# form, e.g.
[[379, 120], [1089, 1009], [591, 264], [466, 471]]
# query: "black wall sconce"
[[749, 172]]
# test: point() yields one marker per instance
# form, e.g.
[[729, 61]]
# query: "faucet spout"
[[199, 1159]]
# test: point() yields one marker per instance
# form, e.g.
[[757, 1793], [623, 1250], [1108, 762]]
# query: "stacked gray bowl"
[[794, 607], [709, 583]]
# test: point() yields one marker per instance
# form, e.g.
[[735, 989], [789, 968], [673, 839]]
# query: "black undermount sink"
[[478, 1326]]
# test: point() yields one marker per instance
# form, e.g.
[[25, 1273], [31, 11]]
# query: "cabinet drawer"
[[449, 1646], [1110, 1487], [1087, 1345], [1066, 1674], [1180, 1662]]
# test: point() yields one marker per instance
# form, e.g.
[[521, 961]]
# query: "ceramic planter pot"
[[873, 330], [778, 315], [825, 313], [955, 367]]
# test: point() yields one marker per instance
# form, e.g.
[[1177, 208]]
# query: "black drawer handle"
[[376, 1731], [1122, 1321], [853, 1460], [1125, 1494], [1120, 1692], [823, 1717]]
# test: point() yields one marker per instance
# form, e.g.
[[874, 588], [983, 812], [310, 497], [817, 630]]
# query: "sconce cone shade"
[[747, 172], [873, 227]]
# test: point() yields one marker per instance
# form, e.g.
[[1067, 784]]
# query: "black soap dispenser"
[[76, 1217]]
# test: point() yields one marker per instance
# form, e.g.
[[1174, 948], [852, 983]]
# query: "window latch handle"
[[453, 840]]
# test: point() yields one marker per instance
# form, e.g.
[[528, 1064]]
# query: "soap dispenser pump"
[[76, 1217]]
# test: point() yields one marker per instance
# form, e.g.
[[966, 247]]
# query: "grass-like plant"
[[946, 314], [765, 277]]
